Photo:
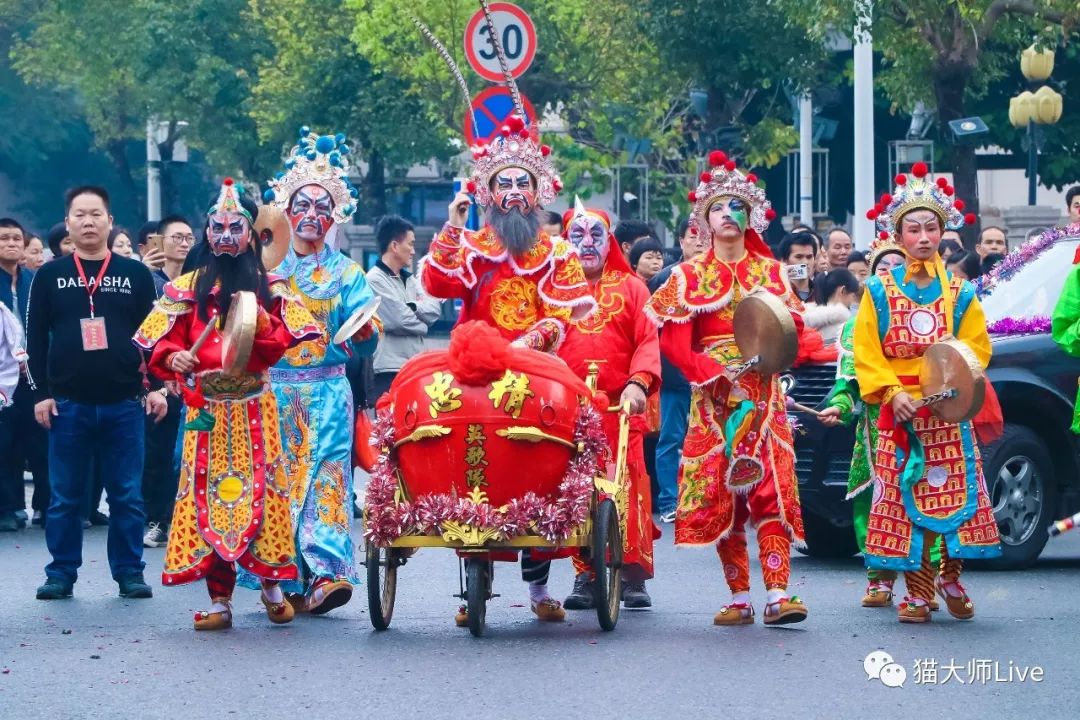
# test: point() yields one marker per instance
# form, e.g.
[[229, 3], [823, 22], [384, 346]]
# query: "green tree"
[[945, 54], [317, 77], [594, 64], [193, 62]]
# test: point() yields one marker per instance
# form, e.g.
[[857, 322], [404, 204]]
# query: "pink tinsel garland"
[[1014, 261], [1019, 326], [553, 520]]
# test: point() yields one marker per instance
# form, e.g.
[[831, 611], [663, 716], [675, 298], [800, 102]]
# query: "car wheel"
[[1020, 480], [825, 540]]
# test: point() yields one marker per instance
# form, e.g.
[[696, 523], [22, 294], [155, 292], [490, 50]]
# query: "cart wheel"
[[478, 588], [382, 566], [607, 556]]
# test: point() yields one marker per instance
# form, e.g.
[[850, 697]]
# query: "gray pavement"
[[97, 656]]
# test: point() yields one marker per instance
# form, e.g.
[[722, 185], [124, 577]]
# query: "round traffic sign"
[[515, 32], [491, 108]]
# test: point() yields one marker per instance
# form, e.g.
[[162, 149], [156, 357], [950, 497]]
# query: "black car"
[[1031, 471]]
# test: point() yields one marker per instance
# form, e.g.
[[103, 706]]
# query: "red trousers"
[[774, 544]]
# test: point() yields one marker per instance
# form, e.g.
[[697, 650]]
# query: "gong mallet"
[[1062, 526]]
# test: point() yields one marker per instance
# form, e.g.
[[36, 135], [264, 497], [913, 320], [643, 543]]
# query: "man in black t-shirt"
[[90, 392]]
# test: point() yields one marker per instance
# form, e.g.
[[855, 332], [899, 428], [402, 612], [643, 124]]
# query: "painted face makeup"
[[230, 233], [729, 215], [887, 263], [920, 234], [310, 213], [513, 187], [590, 237]]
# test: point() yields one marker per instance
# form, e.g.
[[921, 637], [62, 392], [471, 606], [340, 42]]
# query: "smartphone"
[[797, 272], [155, 242]]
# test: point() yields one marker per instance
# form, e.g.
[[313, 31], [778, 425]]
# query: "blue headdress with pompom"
[[316, 160]]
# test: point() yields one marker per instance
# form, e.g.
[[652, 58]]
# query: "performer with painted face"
[[510, 274], [624, 344], [232, 507], [929, 479], [738, 464], [844, 406], [312, 391]]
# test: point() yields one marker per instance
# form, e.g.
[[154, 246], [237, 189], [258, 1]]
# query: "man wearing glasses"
[[160, 476], [177, 240]]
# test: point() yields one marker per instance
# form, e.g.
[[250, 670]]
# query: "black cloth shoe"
[[54, 589], [634, 596], [38, 519], [8, 522], [98, 518], [134, 587], [581, 597]]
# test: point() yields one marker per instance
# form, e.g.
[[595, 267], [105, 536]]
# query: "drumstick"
[[803, 408], [203, 336]]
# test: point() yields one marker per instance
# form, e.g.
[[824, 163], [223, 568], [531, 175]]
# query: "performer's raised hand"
[[182, 362], [634, 395], [904, 408], [459, 209]]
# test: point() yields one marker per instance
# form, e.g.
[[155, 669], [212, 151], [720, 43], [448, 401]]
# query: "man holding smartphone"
[[797, 252], [166, 249]]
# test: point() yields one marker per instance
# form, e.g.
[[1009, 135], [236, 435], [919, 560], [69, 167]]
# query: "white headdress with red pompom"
[[726, 179], [515, 146], [918, 192], [228, 200]]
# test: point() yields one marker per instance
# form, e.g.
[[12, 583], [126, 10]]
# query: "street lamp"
[[1032, 109]]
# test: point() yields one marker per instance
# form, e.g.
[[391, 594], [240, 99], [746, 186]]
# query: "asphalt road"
[[99, 656]]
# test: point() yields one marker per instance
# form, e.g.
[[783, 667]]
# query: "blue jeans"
[[111, 436], [674, 416]]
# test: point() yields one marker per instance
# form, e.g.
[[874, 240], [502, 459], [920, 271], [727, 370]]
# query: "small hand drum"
[[953, 381], [357, 320], [765, 333], [239, 333]]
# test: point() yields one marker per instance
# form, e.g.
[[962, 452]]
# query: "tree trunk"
[[117, 152], [950, 85], [376, 184], [168, 185]]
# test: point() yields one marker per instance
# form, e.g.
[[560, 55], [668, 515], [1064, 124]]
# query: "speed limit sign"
[[516, 34]]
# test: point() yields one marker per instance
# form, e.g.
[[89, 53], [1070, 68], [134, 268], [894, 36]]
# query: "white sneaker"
[[155, 536]]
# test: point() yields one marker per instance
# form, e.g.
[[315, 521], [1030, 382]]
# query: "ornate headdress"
[[616, 259], [726, 179], [918, 192], [880, 246], [228, 200], [316, 160], [515, 146], [579, 210]]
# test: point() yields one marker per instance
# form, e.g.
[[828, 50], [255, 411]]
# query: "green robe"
[[845, 396], [1065, 327]]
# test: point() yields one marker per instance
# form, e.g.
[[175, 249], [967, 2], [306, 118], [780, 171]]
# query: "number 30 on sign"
[[516, 34]]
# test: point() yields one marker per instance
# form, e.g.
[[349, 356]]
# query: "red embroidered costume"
[[232, 505], [531, 295], [738, 462], [624, 344]]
